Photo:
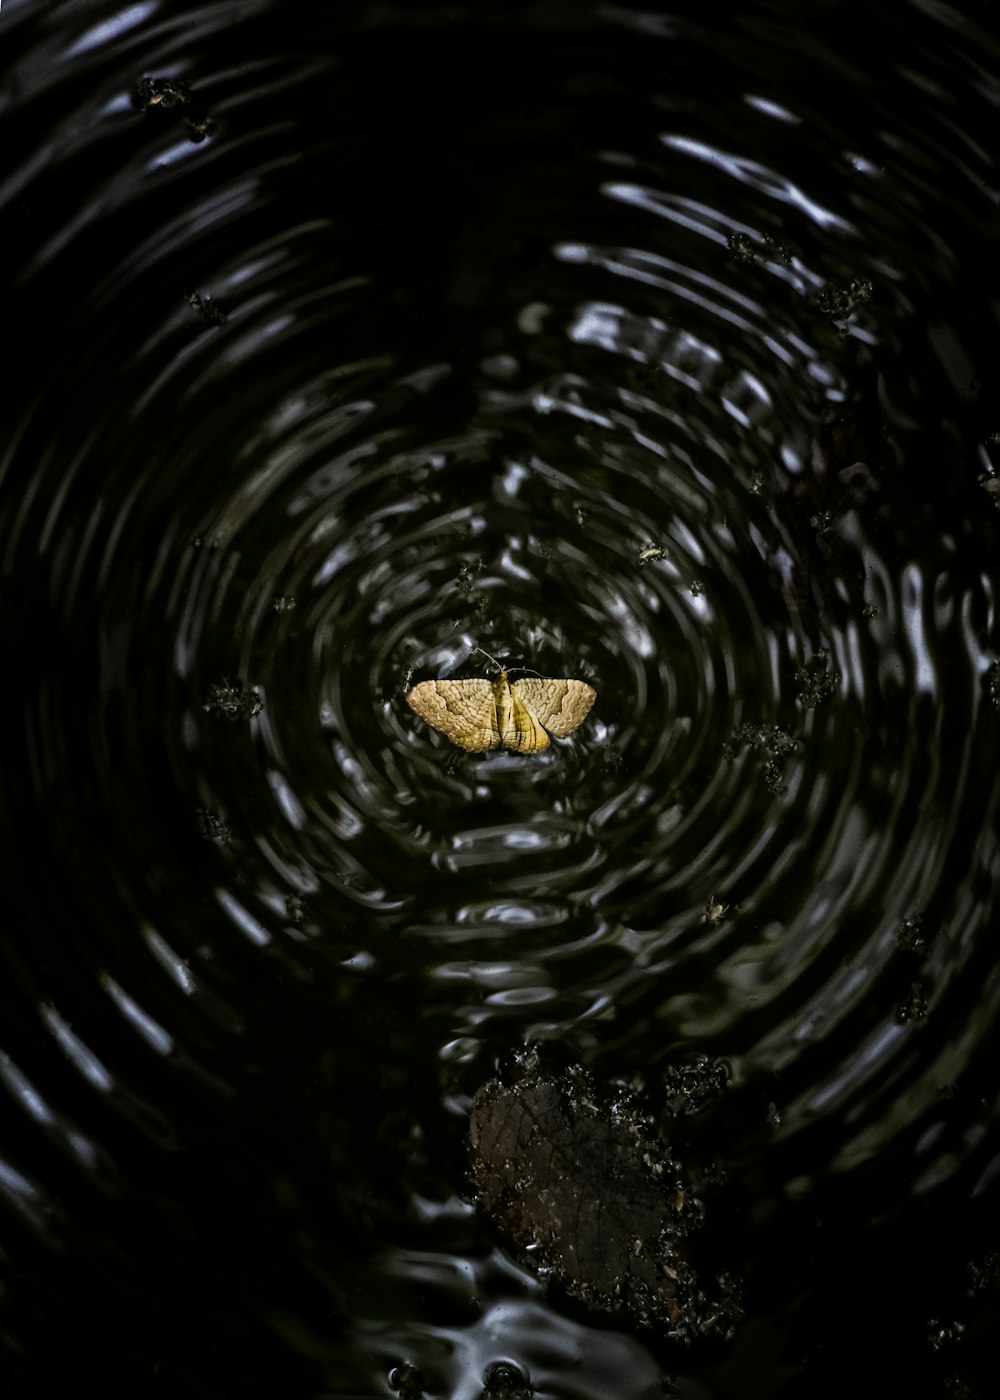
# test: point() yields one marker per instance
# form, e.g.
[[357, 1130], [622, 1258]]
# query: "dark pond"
[[637, 346]]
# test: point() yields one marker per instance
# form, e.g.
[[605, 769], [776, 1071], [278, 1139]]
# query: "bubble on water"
[[407, 1382], [504, 1381]]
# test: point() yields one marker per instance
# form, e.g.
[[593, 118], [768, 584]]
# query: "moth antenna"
[[496, 663], [500, 666]]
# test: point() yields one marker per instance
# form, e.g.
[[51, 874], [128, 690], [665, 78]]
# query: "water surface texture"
[[635, 346]]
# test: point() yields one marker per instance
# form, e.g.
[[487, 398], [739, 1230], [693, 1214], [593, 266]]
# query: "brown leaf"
[[577, 1180]]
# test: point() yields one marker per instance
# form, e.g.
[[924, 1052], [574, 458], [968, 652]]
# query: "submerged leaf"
[[578, 1181]]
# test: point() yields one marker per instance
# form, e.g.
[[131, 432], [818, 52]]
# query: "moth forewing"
[[561, 706], [464, 710]]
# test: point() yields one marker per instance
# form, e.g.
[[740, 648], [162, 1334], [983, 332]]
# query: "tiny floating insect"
[[715, 912], [482, 714]]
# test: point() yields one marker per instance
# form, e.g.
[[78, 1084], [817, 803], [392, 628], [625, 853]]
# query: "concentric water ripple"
[[345, 346]]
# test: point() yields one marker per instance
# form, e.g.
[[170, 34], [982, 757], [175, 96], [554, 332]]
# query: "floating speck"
[[741, 250], [774, 779], [162, 92], [913, 1007], [943, 1334], [993, 684], [207, 308], [910, 938], [984, 1272], [714, 911], [211, 827]]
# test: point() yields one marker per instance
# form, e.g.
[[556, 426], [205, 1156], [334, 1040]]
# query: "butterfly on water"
[[481, 714]]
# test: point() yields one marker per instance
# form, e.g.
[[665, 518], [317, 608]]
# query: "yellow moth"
[[481, 714]]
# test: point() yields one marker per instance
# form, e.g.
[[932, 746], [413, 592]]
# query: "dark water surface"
[[632, 345]]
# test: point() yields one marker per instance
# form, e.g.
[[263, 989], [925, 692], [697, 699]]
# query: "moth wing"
[[560, 706], [523, 733], [464, 710]]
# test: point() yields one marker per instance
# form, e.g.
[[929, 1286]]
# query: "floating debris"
[[576, 1179], [984, 1274], [231, 701], [208, 309], [765, 736], [993, 684], [714, 911], [770, 737], [835, 301], [611, 758], [466, 576], [774, 779], [943, 1334], [780, 250], [693, 1084], [914, 1005], [910, 939], [840, 300], [816, 682], [211, 828], [741, 249], [163, 94], [199, 127]]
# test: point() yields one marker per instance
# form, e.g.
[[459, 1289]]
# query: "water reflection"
[[644, 363]]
